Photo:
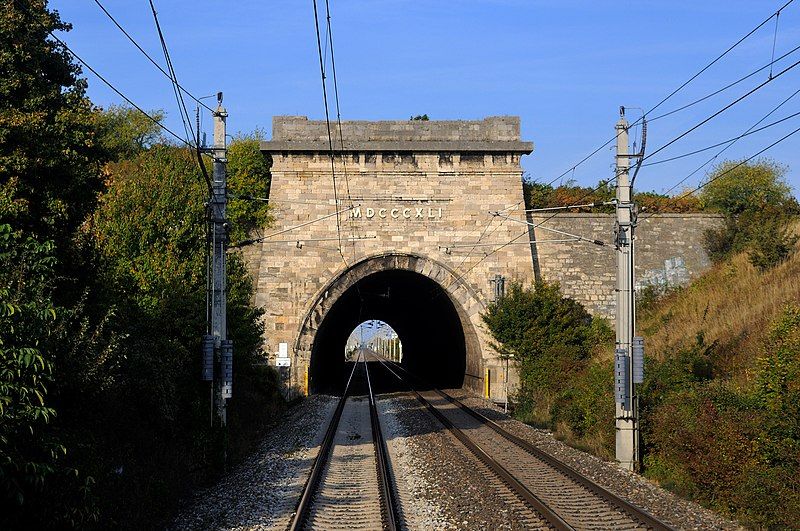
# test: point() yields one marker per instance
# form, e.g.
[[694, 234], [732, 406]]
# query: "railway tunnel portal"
[[390, 240]]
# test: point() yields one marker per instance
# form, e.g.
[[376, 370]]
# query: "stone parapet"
[[493, 134]]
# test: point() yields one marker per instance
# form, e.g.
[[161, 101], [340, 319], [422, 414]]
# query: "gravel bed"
[[671, 509], [417, 510], [261, 493], [442, 486]]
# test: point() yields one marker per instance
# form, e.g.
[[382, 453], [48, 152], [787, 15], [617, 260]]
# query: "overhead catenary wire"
[[187, 122], [726, 87], [656, 106], [729, 170], [142, 50], [329, 41], [448, 248], [603, 183], [336, 99], [724, 142], [684, 85], [181, 103], [283, 231], [119, 92], [748, 131], [577, 237], [723, 109], [328, 125]]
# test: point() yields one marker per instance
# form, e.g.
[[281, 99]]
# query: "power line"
[[181, 104], [723, 109], [187, 124], [679, 88], [329, 39], [330, 138], [724, 142], [741, 163], [730, 143], [726, 147], [283, 231], [729, 85], [117, 91], [142, 50]]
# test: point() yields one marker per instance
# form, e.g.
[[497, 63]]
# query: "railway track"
[[564, 498], [350, 485]]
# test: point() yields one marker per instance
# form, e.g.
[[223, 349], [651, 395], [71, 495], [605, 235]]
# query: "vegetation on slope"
[[103, 419], [541, 195], [720, 405], [721, 401]]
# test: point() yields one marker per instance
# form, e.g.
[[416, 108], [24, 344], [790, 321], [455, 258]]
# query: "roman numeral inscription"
[[398, 213]]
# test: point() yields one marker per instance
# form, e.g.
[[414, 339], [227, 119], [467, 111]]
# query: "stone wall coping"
[[642, 216], [400, 146]]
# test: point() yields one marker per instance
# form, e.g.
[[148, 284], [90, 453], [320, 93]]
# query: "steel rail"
[[499, 470], [389, 504], [306, 500], [628, 508]]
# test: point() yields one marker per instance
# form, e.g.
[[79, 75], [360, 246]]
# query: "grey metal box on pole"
[[637, 356], [226, 368], [208, 358], [621, 380]]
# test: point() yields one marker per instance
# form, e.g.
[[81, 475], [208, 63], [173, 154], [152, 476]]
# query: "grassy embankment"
[[721, 399]]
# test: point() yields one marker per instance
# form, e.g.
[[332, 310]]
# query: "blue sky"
[[564, 67]]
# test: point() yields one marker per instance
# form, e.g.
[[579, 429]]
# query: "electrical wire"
[[748, 131], [724, 142], [304, 224], [182, 104], [659, 104], [726, 87], [740, 163], [155, 63], [330, 137], [187, 122], [723, 109], [682, 86], [116, 90], [329, 40]]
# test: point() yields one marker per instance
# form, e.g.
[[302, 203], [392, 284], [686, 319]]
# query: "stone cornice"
[[400, 146]]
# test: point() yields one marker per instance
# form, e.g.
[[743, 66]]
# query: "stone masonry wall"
[[669, 251], [409, 201], [427, 189]]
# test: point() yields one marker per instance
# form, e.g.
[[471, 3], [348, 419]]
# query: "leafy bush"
[[773, 245], [540, 195], [733, 448], [552, 339], [758, 206]]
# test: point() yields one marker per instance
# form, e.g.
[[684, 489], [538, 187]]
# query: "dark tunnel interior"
[[416, 307]]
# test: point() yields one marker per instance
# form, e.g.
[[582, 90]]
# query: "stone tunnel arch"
[[431, 308]]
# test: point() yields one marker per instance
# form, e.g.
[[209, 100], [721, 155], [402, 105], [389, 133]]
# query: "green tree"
[[149, 231], [124, 132], [758, 206], [248, 180], [49, 177], [26, 309], [48, 151], [527, 322], [551, 338], [736, 188]]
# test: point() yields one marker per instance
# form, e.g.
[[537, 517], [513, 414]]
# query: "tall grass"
[[732, 306]]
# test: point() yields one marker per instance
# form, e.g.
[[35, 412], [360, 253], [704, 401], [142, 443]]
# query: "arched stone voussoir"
[[459, 291]]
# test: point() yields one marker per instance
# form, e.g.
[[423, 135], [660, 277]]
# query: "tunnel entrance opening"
[[378, 337], [413, 305]]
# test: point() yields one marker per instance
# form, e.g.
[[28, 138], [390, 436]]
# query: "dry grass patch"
[[731, 305]]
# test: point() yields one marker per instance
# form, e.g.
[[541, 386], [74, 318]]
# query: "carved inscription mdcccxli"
[[409, 213]]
